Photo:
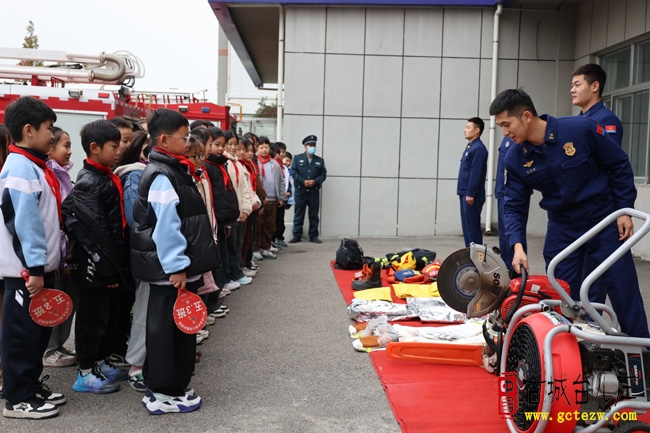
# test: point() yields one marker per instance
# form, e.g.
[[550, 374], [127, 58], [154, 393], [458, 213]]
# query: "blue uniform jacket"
[[607, 119], [581, 174], [500, 187], [302, 170], [473, 167]]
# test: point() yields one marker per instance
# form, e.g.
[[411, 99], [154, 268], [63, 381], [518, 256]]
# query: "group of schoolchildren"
[[157, 207]]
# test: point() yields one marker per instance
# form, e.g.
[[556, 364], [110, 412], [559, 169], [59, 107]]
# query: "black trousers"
[[22, 342], [97, 332], [279, 225], [303, 199], [171, 353]]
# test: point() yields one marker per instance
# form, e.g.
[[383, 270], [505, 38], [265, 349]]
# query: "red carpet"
[[428, 398]]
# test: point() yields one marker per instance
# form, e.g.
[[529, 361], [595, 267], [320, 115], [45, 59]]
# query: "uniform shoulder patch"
[[599, 129], [610, 129]]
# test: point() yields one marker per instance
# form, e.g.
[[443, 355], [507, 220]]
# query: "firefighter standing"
[[309, 173]]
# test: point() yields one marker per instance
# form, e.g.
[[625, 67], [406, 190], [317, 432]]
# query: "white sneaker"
[[268, 254], [232, 285], [59, 359], [159, 404], [273, 250], [244, 280], [204, 333], [34, 408], [257, 256], [249, 272]]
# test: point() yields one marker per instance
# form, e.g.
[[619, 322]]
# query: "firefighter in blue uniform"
[[499, 194], [583, 177], [471, 181], [309, 173], [587, 86], [586, 90]]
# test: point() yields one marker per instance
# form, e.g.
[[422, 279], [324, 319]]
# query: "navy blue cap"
[[310, 139]]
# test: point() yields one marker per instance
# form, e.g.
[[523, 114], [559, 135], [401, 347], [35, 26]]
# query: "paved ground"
[[281, 361]]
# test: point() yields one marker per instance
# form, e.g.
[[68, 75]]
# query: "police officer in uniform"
[[583, 177], [309, 173]]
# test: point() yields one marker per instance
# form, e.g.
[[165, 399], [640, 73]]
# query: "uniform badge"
[[507, 144], [610, 129], [569, 149], [551, 136], [505, 176], [599, 129], [525, 149], [529, 163]]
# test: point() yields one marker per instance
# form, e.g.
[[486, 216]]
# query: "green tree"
[[31, 41], [265, 109]]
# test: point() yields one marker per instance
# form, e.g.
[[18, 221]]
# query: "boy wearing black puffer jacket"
[[94, 219]]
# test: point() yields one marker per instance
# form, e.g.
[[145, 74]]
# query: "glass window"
[[632, 109], [617, 67], [642, 62]]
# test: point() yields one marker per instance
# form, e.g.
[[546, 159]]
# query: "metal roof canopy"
[[252, 25]]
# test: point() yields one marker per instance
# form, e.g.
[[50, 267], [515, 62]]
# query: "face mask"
[[311, 150]]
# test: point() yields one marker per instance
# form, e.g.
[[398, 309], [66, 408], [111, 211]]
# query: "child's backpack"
[[349, 255]]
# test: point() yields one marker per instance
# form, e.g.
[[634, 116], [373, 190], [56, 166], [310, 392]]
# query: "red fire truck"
[[81, 88]]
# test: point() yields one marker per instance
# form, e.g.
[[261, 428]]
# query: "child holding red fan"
[[171, 248], [30, 202]]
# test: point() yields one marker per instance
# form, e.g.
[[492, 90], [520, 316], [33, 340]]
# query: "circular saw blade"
[[458, 280]]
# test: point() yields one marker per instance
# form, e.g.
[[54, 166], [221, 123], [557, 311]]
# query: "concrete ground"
[[281, 361]]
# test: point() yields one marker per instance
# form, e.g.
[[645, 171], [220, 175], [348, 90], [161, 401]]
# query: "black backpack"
[[349, 255]]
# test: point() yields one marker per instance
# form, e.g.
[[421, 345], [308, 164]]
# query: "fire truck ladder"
[[120, 67]]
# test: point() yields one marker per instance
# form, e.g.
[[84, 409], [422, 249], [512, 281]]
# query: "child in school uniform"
[[56, 355], [236, 171], [30, 239], [272, 178], [171, 247], [225, 205], [95, 220]]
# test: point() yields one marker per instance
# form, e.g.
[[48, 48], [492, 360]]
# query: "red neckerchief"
[[224, 174], [116, 181], [261, 161], [278, 161], [50, 177], [182, 159], [253, 175]]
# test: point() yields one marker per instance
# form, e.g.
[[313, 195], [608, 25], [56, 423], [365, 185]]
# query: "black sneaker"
[[34, 408], [315, 240], [295, 240], [43, 392]]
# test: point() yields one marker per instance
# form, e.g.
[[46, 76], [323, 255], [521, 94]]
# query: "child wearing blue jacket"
[[171, 248], [30, 210]]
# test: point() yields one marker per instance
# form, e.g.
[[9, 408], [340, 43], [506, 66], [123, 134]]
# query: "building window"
[[627, 94]]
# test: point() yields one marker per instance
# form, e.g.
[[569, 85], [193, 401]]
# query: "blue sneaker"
[[160, 404], [113, 373], [282, 243], [95, 382]]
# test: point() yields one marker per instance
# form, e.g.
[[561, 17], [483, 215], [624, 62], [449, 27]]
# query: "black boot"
[[370, 278]]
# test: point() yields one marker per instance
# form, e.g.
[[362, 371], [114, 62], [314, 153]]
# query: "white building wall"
[[388, 91]]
